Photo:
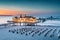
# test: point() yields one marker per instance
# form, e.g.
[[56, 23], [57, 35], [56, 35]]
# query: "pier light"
[[25, 19]]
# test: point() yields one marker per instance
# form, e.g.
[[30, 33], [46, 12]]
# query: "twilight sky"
[[34, 7]]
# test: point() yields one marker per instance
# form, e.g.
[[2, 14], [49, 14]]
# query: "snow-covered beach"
[[49, 30], [30, 33]]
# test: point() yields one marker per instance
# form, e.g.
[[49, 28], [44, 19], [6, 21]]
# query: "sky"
[[33, 7]]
